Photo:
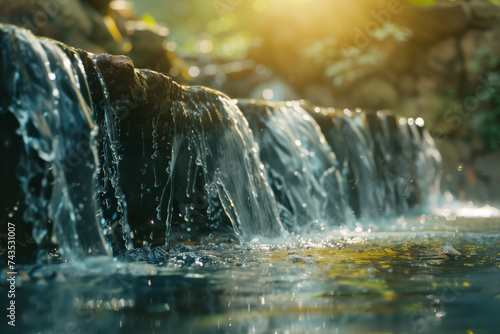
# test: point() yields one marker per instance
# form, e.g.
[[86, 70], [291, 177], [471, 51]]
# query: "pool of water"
[[434, 273]]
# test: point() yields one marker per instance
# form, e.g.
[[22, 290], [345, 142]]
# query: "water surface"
[[436, 273]]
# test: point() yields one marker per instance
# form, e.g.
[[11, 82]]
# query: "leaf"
[[350, 52], [423, 2], [493, 62], [475, 66], [337, 67], [149, 20]]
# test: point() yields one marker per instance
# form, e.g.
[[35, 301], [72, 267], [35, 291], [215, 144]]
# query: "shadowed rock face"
[[164, 162]]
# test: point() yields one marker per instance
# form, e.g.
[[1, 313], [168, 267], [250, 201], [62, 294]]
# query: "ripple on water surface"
[[429, 274]]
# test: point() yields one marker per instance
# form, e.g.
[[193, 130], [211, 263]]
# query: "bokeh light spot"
[[206, 46], [268, 94], [194, 71]]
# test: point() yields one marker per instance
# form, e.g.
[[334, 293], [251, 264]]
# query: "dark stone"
[[145, 110]]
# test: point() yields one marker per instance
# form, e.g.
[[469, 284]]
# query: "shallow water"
[[436, 273]]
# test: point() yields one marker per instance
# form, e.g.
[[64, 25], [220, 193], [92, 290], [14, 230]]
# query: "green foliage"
[[487, 123], [486, 120], [347, 63], [424, 2], [227, 25]]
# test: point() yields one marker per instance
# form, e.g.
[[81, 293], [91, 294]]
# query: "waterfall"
[[302, 168], [105, 158], [45, 94], [188, 161], [390, 164]]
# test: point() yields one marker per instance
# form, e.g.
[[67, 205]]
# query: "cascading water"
[[390, 164], [302, 168], [45, 96], [112, 203], [116, 158], [188, 159]]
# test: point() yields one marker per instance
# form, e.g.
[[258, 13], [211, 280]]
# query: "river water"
[[424, 273]]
